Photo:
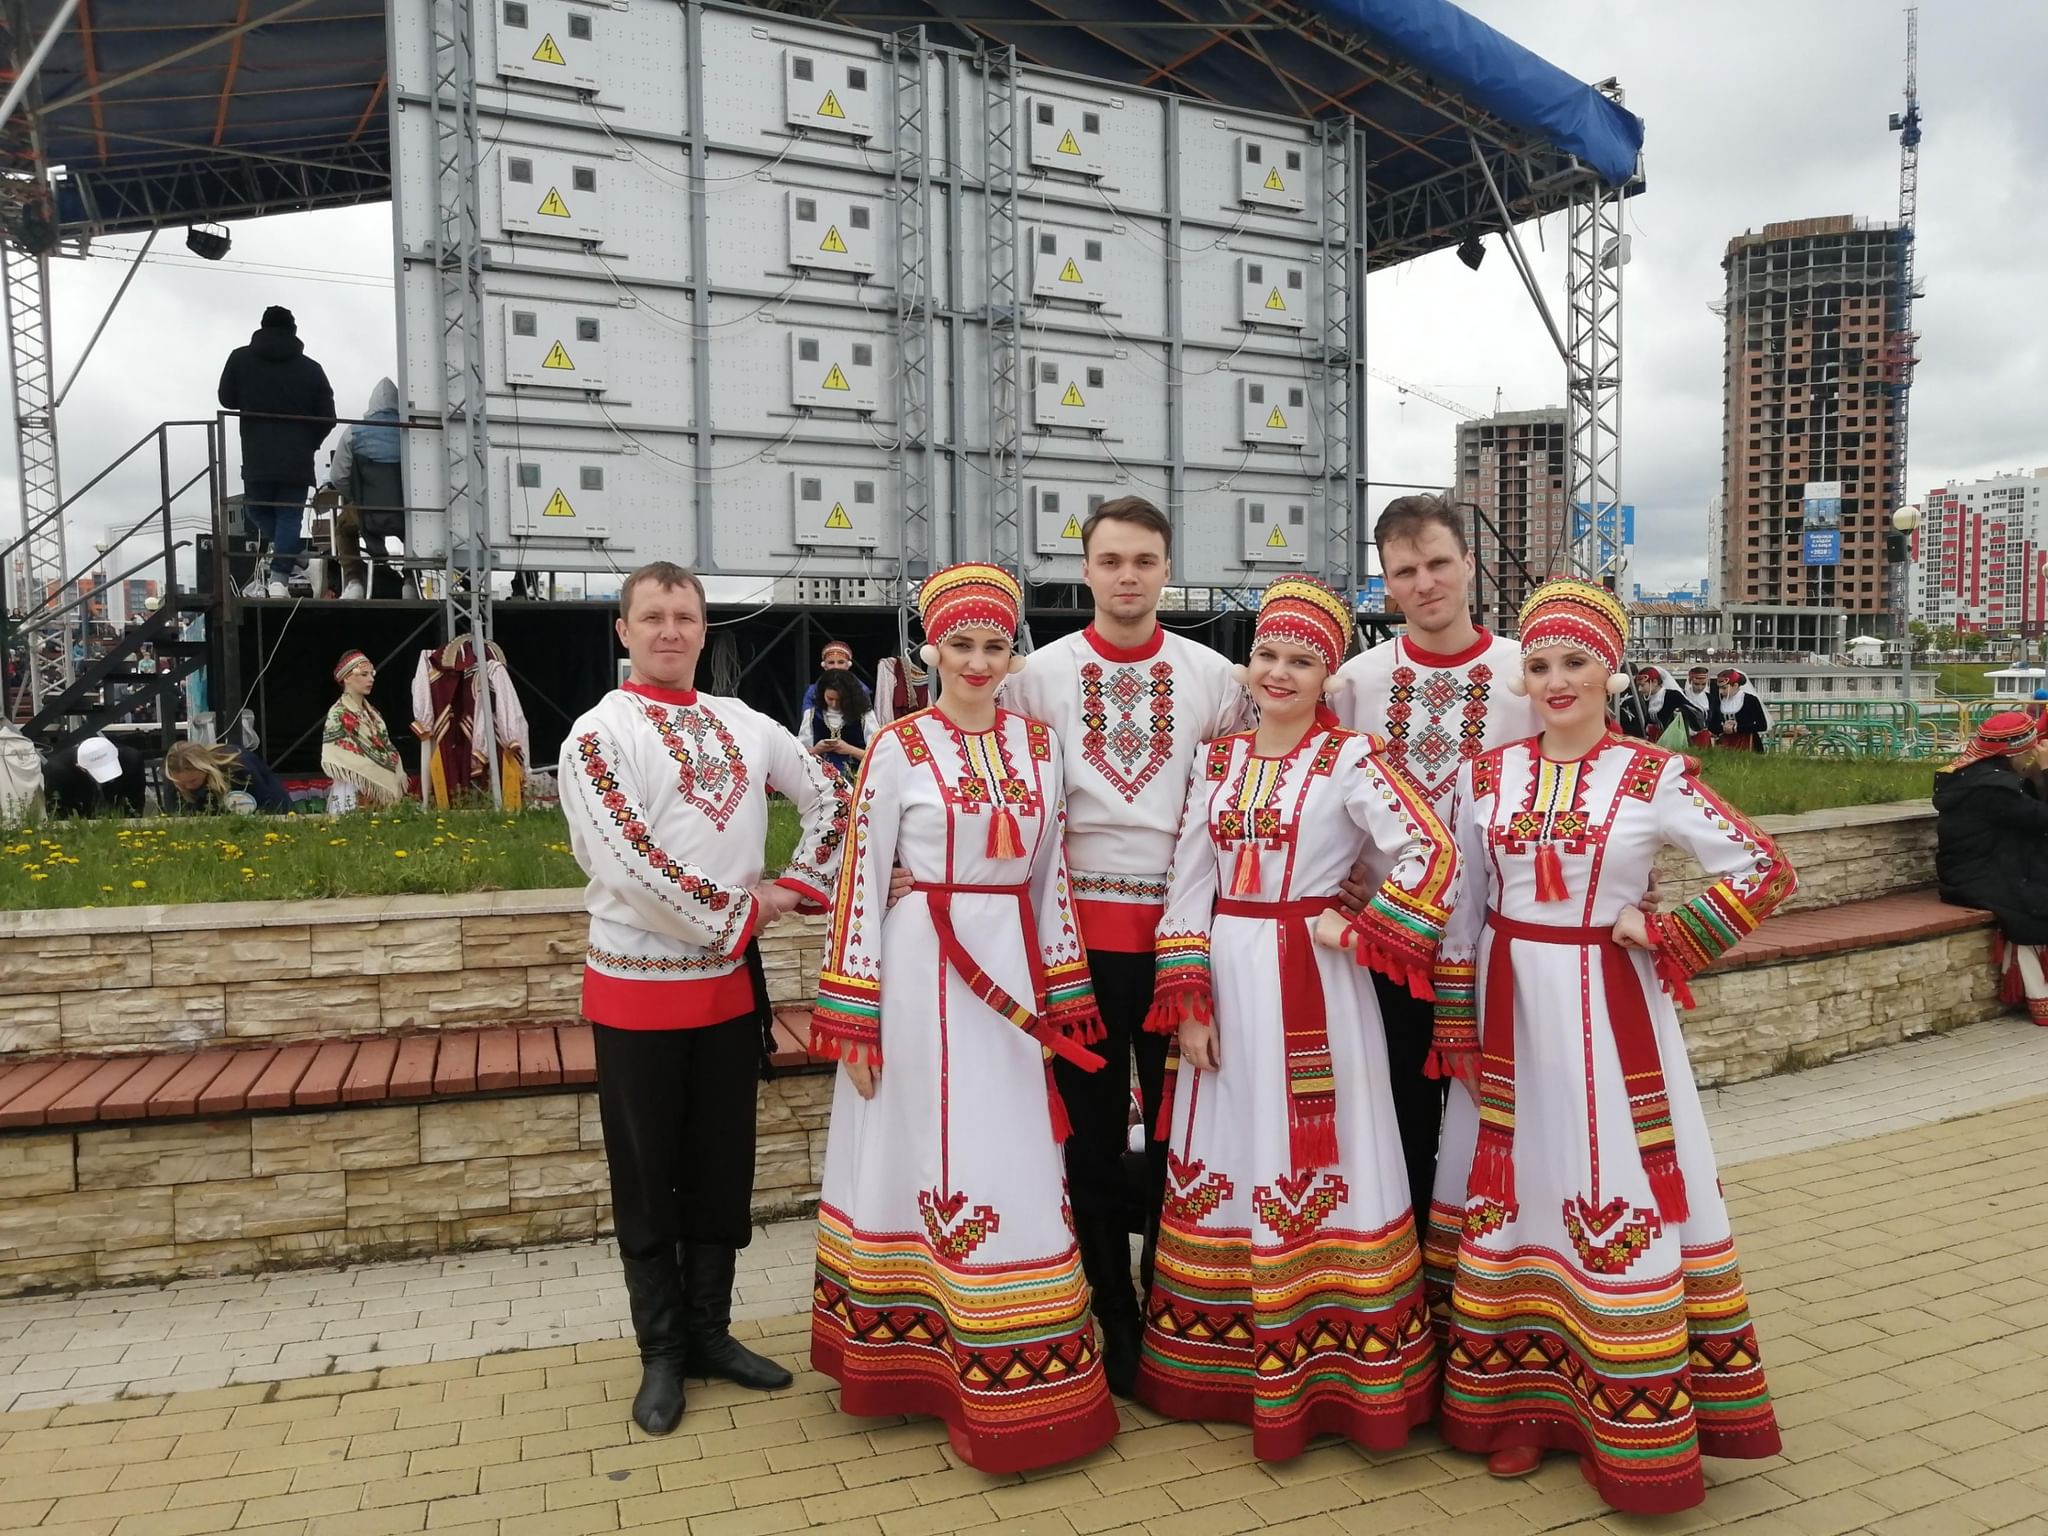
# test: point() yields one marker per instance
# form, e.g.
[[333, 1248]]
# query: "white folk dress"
[[949, 1282], [1582, 1270], [1435, 712], [1289, 1284]]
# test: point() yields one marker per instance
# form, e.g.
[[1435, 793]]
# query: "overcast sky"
[[1756, 110]]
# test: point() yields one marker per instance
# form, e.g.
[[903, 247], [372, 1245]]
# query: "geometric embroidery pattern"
[[951, 1233], [1127, 753]]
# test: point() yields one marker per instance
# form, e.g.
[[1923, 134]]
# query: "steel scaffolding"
[[1596, 254], [1338, 478], [1005, 431], [913, 326]]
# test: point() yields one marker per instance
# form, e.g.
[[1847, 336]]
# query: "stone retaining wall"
[[1849, 854]]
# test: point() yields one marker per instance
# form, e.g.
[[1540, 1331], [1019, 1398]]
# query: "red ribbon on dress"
[[1635, 1042], [1311, 1079], [939, 901]]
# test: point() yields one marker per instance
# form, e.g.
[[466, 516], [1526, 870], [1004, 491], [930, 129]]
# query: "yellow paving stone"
[[865, 1525], [201, 1520], [127, 1408], [587, 1437], [18, 1463], [350, 1474], [108, 1506], [530, 1471], [730, 1469], [344, 1424], [563, 1522], [232, 1490], [398, 1521], [863, 1503], [53, 1485], [1209, 1487], [439, 1370], [477, 1507], [298, 1410], [2003, 1503], [1099, 1515], [959, 1482], [1384, 1517], [936, 1519], [886, 1437], [1226, 1517], [455, 1458], [288, 1458], [78, 1528], [611, 1488], [792, 1457], [197, 1421], [184, 1469], [648, 1451], [421, 1488], [912, 1461], [510, 1426], [422, 1438], [668, 1509], [1147, 1472]]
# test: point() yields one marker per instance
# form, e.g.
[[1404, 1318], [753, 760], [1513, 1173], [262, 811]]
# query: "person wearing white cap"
[[95, 778]]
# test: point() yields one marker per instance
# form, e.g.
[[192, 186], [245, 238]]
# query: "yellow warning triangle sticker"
[[1274, 301], [835, 379], [1276, 539], [547, 52], [557, 357], [553, 206], [1273, 181], [1068, 145], [558, 506], [830, 107], [1073, 528], [1072, 396], [1070, 273], [837, 517], [832, 242], [1279, 422]]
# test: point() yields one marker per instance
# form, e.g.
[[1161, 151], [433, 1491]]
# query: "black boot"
[[1106, 1261], [1121, 1338], [654, 1289], [711, 1348]]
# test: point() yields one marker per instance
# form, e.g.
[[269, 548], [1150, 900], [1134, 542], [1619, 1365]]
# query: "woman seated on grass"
[[221, 778], [1991, 849]]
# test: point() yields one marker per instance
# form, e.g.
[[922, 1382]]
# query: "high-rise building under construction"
[[1808, 445], [1511, 467]]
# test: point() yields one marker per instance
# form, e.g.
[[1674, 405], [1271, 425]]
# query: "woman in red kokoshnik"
[[1582, 1272], [1288, 1293], [949, 1282]]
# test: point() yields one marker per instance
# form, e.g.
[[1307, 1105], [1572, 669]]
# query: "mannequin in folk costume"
[[948, 1281], [1744, 717], [1582, 1272], [444, 718], [665, 791], [1288, 1292], [1991, 850], [355, 745]]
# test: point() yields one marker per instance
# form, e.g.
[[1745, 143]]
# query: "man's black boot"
[[654, 1290], [711, 1349]]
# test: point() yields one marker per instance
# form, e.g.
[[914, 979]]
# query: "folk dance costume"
[[1582, 1272], [948, 1279], [1130, 722], [666, 796], [1435, 712], [356, 752], [444, 702], [1751, 717], [1289, 1290], [1991, 852]]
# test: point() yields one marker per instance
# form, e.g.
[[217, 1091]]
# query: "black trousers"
[[1106, 1209], [678, 1110], [1418, 1100]]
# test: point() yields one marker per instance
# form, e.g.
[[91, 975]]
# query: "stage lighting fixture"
[[1472, 252], [208, 244]]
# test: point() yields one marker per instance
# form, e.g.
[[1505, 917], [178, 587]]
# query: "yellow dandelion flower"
[[138, 885], [398, 853]]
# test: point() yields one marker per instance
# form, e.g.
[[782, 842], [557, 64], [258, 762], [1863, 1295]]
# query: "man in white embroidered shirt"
[[665, 791]]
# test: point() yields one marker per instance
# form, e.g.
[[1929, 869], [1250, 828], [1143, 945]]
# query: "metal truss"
[[1411, 221], [1339, 484], [1596, 256], [1001, 126], [913, 326], [115, 201], [458, 250]]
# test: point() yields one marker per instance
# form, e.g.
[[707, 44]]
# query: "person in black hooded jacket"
[[1991, 850], [287, 411]]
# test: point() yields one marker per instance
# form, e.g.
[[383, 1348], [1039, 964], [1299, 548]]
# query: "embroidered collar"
[[1143, 651], [1423, 658], [660, 695]]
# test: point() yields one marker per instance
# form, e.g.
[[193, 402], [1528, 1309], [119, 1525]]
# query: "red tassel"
[[1057, 1108], [1675, 982], [1493, 1170], [1246, 879], [1313, 1143], [1667, 1185], [1005, 837], [1550, 874]]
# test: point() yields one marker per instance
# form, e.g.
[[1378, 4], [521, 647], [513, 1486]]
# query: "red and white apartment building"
[[1980, 560]]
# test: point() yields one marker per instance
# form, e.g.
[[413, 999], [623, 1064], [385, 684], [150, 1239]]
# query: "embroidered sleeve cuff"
[[1180, 982], [846, 1023], [1398, 937], [811, 897], [1457, 1016], [1694, 936], [738, 946], [1070, 1001]]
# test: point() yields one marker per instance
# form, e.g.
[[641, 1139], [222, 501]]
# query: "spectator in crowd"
[[364, 474], [1744, 720], [287, 409], [221, 777], [1991, 849], [1648, 707], [838, 729], [95, 777], [836, 656], [1702, 706], [355, 747]]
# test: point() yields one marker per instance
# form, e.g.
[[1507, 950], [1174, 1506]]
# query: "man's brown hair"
[[1135, 510], [1405, 517], [665, 574]]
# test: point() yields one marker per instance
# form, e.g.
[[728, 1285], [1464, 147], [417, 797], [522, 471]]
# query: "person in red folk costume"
[[1582, 1272], [1131, 705], [1745, 719], [1289, 1291], [666, 795], [948, 1280]]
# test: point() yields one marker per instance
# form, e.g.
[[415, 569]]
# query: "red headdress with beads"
[[1571, 612], [969, 593], [1305, 613]]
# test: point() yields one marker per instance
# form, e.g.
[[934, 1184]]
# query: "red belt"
[[1635, 1041], [1311, 1079], [939, 901]]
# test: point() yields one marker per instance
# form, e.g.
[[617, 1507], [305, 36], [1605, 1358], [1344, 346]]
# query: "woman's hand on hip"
[[1632, 929]]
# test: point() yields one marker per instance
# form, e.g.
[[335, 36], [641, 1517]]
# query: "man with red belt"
[[665, 790], [1130, 704]]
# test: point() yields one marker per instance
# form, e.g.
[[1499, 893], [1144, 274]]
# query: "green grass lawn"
[[1776, 784]]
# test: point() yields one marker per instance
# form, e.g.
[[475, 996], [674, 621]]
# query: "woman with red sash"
[[1582, 1272], [949, 1282], [1288, 1287]]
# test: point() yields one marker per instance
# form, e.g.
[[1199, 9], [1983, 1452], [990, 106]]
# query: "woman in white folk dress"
[[1582, 1271], [949, 1282], [1288, 1292]]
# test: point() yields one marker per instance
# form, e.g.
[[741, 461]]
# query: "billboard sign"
[[1823, 546], [1821, 504]]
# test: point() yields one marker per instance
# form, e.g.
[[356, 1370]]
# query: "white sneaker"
[[253, 587], [352, 591], [277, 589]]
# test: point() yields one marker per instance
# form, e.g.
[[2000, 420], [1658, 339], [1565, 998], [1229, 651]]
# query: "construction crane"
[[1435, 399], [1898, 356]]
